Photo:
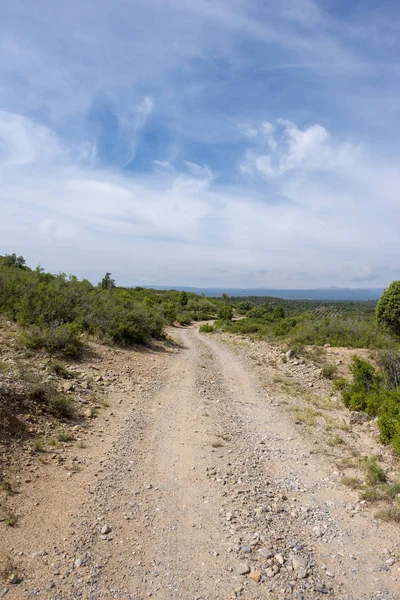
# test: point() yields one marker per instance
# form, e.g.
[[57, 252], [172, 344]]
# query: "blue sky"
[[243, 143]]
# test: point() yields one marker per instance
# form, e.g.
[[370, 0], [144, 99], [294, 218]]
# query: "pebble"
[[266, 553], [298, 562], [390, 562], [243, 568], [255, 575], [106, 529], [317, 531]]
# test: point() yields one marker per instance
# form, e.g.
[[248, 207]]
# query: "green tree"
[[279, 312], [183, 298], [170, 312], [245, 306], [107, 283], [388, 308], [225, 312], [12, 260]]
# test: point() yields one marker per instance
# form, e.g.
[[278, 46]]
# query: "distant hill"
[[349, 294]]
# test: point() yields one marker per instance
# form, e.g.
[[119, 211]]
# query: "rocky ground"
[[209, 471]]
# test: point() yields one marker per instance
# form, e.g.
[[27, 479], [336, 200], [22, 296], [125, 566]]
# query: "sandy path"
[[205, 476]]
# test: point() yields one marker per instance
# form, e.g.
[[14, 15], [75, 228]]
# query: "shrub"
[[183, 298], [117, 318], [58, 309], [206, 328], [65, 437], [60, 406], [51, 400], [389, 416], [62, 338], [184, 318], [369, 391], [390, 364], [351, 332], [279, 313], [60, 370], [375, 473], [388, 308], [392, 513], [107, 283], [329, 371], [244, 306], [225, 312], [284, 326], [169, 311]]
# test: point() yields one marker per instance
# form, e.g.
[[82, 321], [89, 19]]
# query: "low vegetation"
[[57, 311], [376, 391]]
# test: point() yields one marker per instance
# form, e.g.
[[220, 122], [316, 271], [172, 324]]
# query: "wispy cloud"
[[181, 223], [255, 138], [142, 113]]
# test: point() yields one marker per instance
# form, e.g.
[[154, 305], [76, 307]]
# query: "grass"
[[387, 491], [324, 402], [224, 436], [353, 483], [38, 446], [306, 415], [315, 354], [6, 487], [65, 437], [329, 371], [74, 468], [60, 406], [11, 519], [60, 370], [7, 568], [336, 440], [374, 472], [57, 404], [390, 514], [217, 444]]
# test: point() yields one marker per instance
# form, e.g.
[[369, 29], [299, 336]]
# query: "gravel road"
[[204, 489]]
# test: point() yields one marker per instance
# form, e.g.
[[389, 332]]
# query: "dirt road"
[[203, 488]]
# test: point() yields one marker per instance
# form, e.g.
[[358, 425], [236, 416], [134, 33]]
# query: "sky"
[[225, 143]]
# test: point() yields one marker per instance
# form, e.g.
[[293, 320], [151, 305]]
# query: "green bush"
[[169, 312], [56, 310], [375, 474], [53, 401], [183, 298], [350, 332], [245, 306], [389, 416], [369, 391], [60, 406], [388, 308], [206, 328], [284, 326], [62, 338], [225, 312], [329, 371], [184, 318], [279, 313], [60, 370]]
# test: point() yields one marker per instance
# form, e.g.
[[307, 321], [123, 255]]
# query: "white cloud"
[[314, 221], [293, 149]]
